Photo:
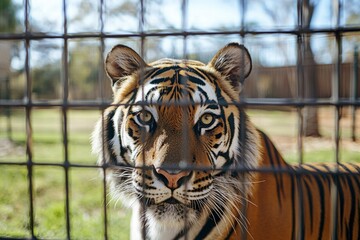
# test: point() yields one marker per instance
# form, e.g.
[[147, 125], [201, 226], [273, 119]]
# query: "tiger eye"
[[145, 117], [207, 119]]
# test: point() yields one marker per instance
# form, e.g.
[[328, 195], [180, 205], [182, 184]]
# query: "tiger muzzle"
[[172, 179]]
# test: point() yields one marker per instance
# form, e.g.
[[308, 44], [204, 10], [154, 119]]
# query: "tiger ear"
[[233, 62], [122, 61]]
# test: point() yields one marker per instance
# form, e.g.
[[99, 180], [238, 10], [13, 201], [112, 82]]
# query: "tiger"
[[181, 152]]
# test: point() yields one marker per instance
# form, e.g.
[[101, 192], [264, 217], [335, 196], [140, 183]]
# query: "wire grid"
[[298, 102]]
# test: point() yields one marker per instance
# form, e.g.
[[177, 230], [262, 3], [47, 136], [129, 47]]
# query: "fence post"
[[354, 92]]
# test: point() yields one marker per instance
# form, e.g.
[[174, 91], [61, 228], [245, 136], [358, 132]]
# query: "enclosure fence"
[[301, 31]]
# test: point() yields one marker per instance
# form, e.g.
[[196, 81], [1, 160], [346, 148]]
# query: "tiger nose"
[[172, 179]]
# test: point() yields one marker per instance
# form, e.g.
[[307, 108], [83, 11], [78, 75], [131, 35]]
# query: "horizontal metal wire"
[[244, 102], [277, 169], [291, 31], [65, 104], [238, 169]]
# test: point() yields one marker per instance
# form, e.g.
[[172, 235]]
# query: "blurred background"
[[53, 89]]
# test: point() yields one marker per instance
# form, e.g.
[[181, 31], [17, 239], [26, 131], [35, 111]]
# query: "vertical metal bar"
[[185, 135], [141, 28], [101, 52], [300, 80], [336, 84], [28, 109], [243, 202], [105, 204], [142, 54], [184, 13], [335, 98], [354, 87], [65, 83], [101, 87], [300, 97], [243, 9]]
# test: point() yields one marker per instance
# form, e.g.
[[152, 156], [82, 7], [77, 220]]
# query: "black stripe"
[[355, 204], [301, 209], [352, 208], [231, 122], [355, 166], [208, 75], [310, 203], [150, 72], [219, 124], [181, 234], [218, 136], [358, 218], [110, 133], [268, 151], [230, 233], [293, 213], [219, 96], [339, 183], [162, 70], [151, 90], [213, 220], [270, 154], [201, 73], [160, 80], [203, 92], [322, 204], [123, 150], [278, 162], [196, 80], [355, 177], [216, 145], [211, 104]]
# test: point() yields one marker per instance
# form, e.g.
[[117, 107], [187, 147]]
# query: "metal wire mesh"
[[28, 103]]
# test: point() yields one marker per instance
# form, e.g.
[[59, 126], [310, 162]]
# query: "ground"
[[85, 184]]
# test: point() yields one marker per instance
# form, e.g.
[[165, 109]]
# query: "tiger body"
[[181, 153], [298, 202]]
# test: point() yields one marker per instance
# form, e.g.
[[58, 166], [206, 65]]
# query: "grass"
[[282, 128], [86, 186]]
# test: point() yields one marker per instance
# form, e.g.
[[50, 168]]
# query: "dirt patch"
[[8, 147]]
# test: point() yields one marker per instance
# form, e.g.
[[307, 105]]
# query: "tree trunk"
[[310, 114]]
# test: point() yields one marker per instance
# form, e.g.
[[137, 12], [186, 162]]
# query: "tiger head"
[[172, 131]]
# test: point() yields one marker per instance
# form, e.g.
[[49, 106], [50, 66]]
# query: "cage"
[[303, 91]]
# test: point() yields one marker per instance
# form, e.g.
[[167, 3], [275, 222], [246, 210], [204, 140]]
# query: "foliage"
[[8, 20], [84, 68], [46, 81], [353, 12]]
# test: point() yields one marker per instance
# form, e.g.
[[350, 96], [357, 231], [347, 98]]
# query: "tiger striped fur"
[[180, 152]]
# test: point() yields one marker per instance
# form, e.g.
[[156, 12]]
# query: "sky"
[[204, 15]]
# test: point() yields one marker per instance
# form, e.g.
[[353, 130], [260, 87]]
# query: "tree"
[[8, 20], [310, 113], [8, 23], [46, 81], [278, 17]]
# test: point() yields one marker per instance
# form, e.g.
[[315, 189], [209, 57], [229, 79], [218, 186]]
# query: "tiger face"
[[173, 131]]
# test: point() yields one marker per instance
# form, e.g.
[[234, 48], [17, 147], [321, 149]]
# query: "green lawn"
[[282, 127], [86, 186]]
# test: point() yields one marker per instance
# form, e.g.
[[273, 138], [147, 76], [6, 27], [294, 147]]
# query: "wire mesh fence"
[[73, 91]]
